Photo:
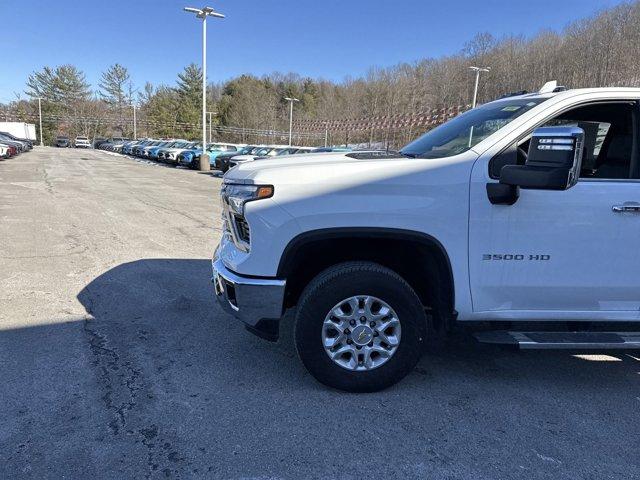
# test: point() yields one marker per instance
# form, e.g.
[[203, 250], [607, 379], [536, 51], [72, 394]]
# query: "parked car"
[[97, 141], [154, 153], [128, 147], [19, 145], [222, 160], [270, 151], [28, 144], [82, 142], [191, 158], [517, 216], [7, 151], [170, 155], [118, 143], [62, 141], [150, 151], [275, 152]]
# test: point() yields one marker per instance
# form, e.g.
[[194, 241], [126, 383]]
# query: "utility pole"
[[475, 88], [203, 13], [40, 115]]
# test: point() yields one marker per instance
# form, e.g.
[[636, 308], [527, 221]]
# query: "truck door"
[[571, 254]]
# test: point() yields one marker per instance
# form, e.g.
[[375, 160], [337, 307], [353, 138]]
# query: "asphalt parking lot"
[[117, 363]]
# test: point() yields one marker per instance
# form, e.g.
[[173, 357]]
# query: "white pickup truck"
[[521, 215]]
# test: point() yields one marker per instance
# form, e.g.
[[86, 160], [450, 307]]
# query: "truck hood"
[[334, 167]]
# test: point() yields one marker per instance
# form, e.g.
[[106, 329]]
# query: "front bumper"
[[257, 302]]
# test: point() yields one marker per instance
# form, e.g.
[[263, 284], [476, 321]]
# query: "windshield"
[[466, 130]]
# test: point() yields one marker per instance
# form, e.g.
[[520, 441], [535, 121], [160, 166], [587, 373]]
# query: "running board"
[[562, 340]]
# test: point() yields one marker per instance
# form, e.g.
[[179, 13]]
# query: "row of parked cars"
[[180, 152], [10, 145]]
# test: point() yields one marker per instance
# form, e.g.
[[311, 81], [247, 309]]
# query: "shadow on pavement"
[[158, 381]]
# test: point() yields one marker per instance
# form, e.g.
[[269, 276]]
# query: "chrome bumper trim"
[[248, 299]]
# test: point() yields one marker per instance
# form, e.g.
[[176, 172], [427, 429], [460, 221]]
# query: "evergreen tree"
[[113, 85], [116, 91], [65, 94], [63, 84], [189, 92]]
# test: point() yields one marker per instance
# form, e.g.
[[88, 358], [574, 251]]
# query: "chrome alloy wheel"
[[361, 333]]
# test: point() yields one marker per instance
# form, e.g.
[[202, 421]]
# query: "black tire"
[[343, 281]]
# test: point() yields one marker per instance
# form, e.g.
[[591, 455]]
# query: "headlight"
[[236, 196]]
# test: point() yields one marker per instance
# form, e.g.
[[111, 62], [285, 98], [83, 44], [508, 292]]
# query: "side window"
[[609, 141]]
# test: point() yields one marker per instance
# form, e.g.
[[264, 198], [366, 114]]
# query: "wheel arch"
[[419, 258]]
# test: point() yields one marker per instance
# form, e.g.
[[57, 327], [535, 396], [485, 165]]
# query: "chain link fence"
[[383, 131]]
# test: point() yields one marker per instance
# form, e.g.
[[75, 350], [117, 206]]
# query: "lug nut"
[[372, 324], [358, 347], [349, 341], [352, 323], [363, 319], [347, 331], [375, 334], [371, 344]]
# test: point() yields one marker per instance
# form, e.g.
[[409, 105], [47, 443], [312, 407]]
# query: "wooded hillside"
[[602, 50]]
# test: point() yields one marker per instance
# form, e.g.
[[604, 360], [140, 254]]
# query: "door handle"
[[627, 207]]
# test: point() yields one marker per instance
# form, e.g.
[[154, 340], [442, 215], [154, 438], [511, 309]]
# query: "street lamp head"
[[480, 69], [204, 12], [291, 99]]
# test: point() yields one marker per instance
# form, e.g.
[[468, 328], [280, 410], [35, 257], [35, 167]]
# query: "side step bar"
[[562, 340]]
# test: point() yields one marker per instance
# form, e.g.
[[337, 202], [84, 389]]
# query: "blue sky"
[[329, 39]]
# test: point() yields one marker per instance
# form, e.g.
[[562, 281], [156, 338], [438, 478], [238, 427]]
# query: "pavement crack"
[[119, 379]]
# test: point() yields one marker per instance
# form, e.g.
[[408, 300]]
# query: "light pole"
[[40, 116], [475, 95], [326, 133], [203, 13], [475, 89], [291, 100], [210, 113], [135, 126]]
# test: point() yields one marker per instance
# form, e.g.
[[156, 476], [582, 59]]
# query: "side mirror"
[[553, 162]]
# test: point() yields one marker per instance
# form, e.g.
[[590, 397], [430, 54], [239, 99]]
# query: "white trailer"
[[19, 129]]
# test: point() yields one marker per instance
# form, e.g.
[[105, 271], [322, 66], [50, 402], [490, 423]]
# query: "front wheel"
[[359, 327]]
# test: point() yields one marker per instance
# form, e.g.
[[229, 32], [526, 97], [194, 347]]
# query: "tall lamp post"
[[40, 117], [210, 113], [203, 13], [475, 88], [291, 100], [135, 123], [475, 95]]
